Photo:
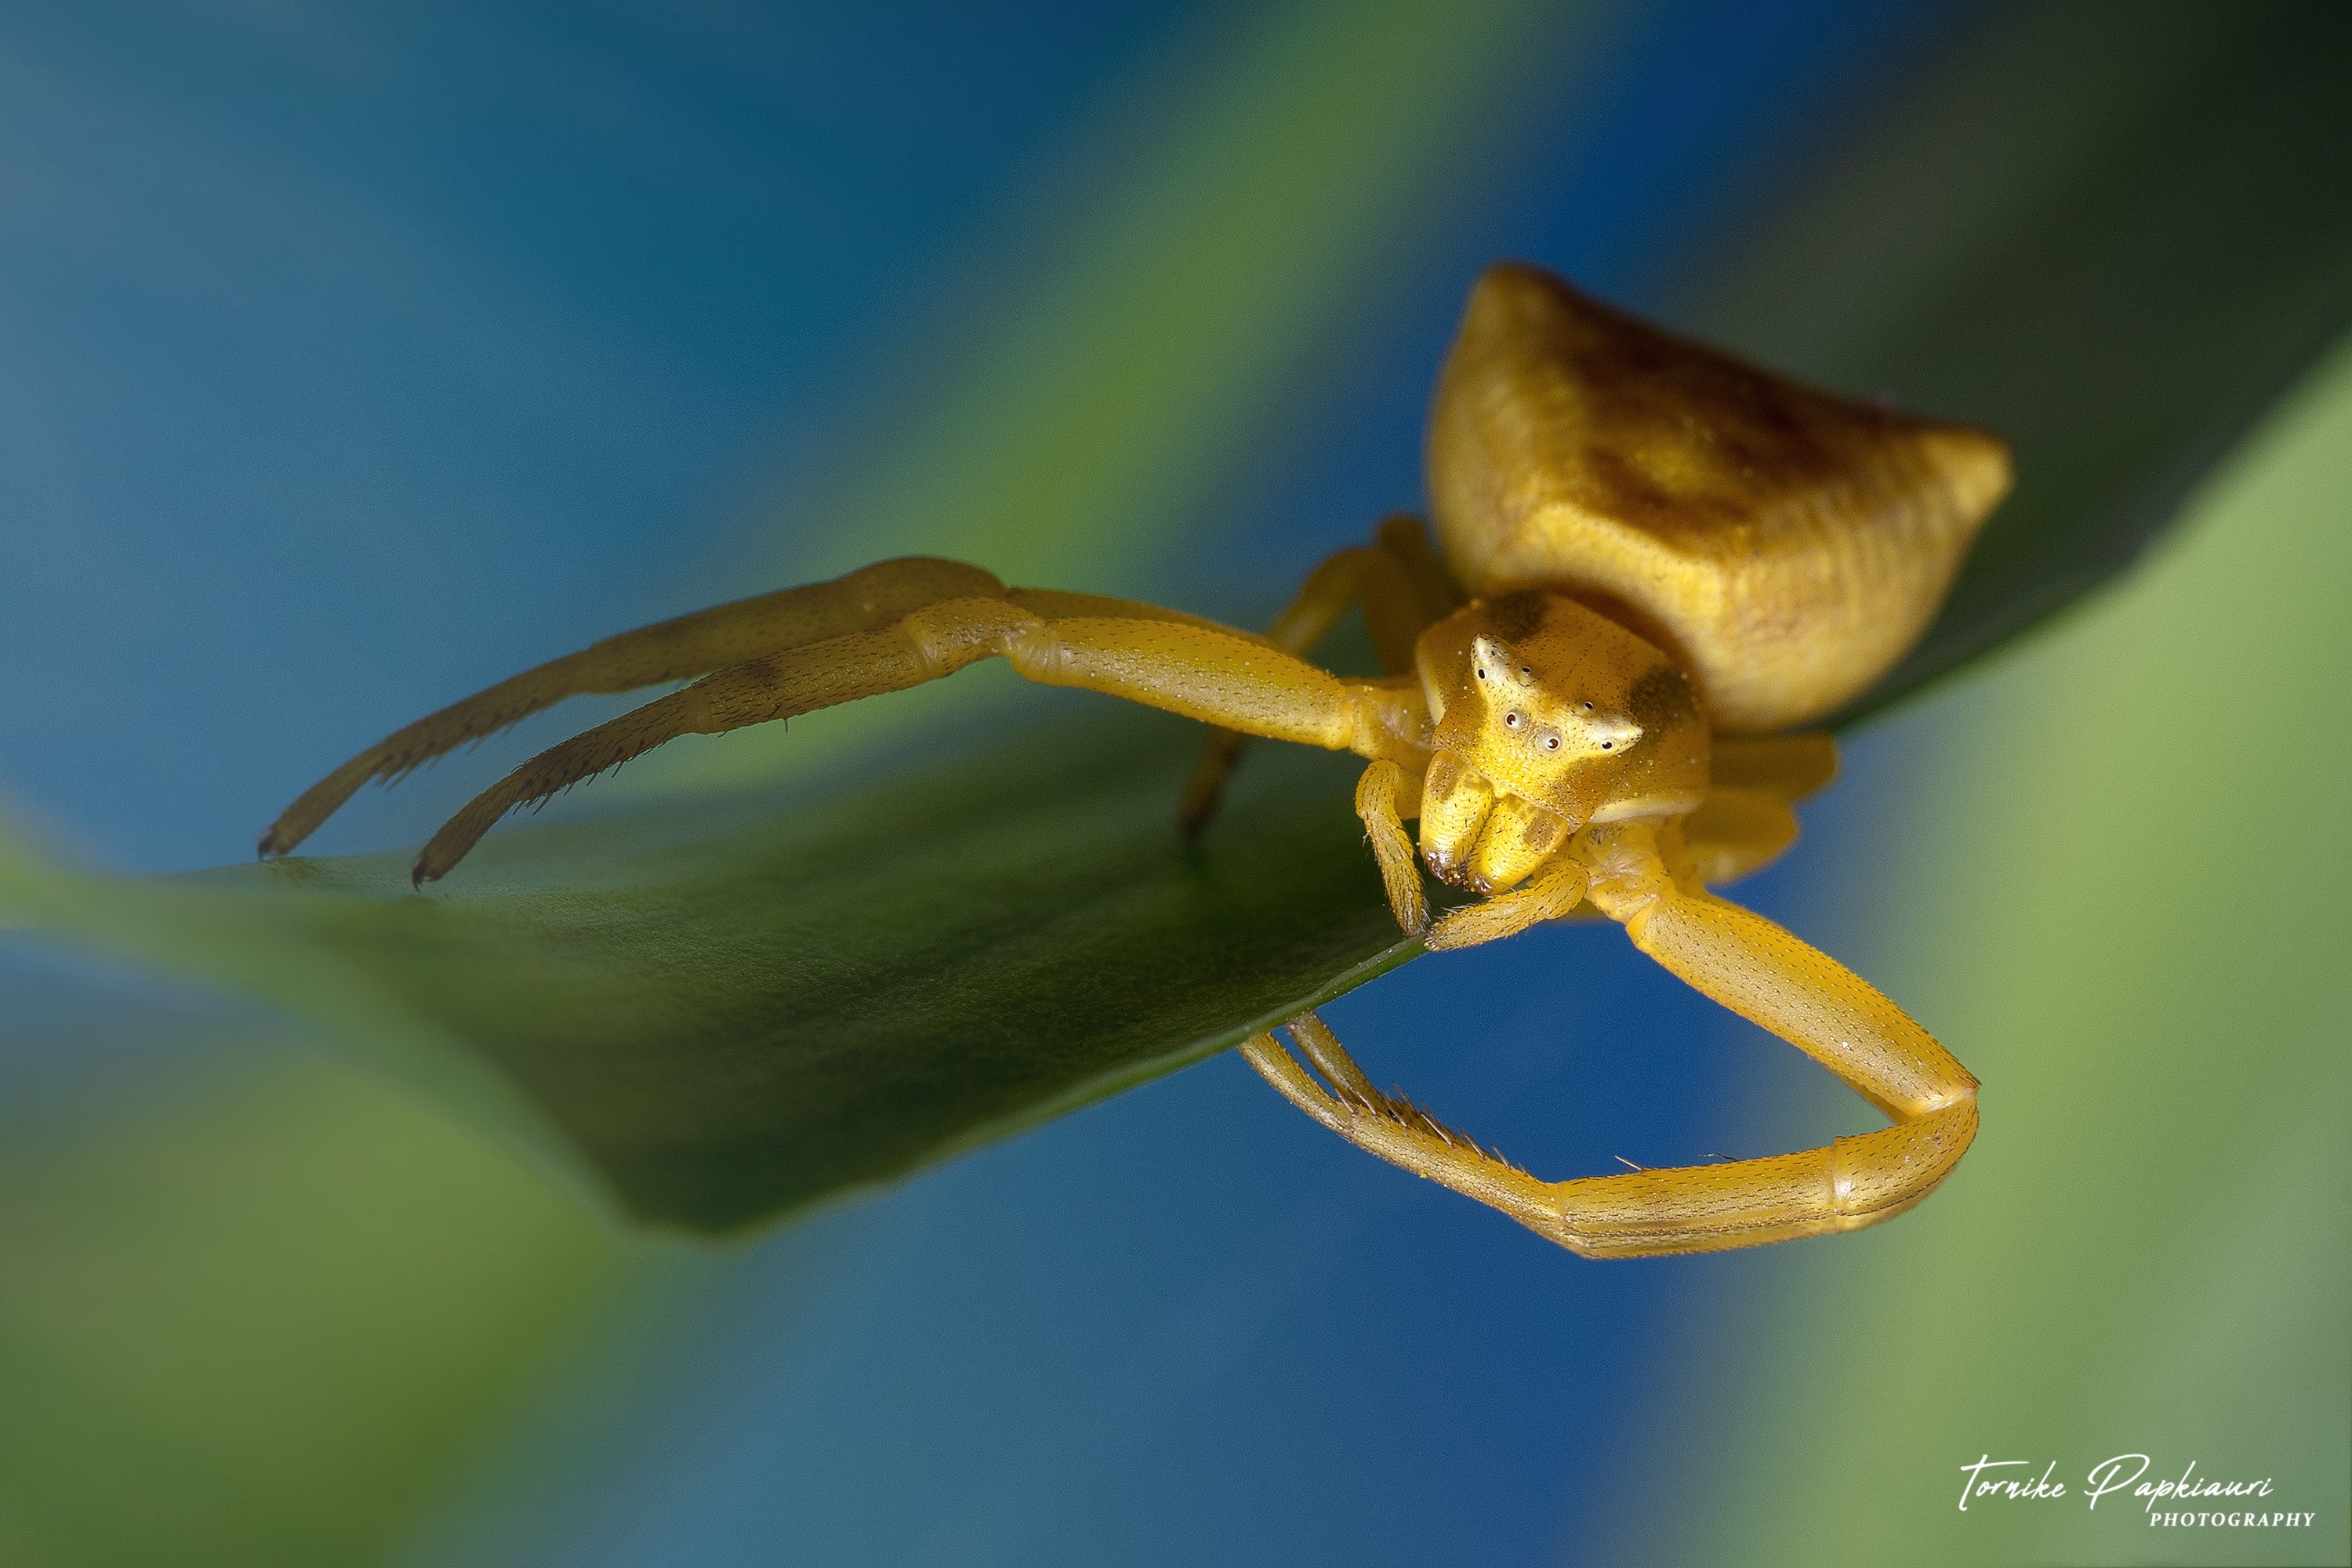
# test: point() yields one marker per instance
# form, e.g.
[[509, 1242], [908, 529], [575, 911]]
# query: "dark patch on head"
[[1661, 696], [1515, 615]]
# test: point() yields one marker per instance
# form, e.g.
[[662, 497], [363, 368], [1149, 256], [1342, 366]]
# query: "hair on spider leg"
[[1334, 1087], [1628, 1163], [1404, 1110]]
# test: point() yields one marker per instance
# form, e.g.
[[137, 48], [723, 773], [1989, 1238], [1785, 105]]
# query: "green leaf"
[[738, 1006], [737, 1018], [734, 1011], [274, 1311]]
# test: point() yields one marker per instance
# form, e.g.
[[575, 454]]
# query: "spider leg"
[[676, 649], [1549, 894], [1787, 767], [1402, 589], [1396, 1130], [1744, 824], [1406, 539], [1736, 832], [1378, 793], [1641, 877], [1178, 663], [868, 599]]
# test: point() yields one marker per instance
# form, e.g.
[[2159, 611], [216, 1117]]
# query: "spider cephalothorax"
[[1549, 716], [1660, 563]]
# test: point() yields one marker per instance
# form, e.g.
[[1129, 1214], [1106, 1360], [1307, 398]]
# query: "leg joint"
[[947, 636], [1879, 1174]]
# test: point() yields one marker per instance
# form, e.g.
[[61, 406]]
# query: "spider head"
[[1549, 716]]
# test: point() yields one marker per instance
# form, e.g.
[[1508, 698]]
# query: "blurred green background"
[[360, 358], [2117, 873]]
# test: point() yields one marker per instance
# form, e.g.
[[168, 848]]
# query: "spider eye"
[[1525, 671], [1549, 740], [1512, 720], [1588, 708], [1608, 745], [1482, 672]]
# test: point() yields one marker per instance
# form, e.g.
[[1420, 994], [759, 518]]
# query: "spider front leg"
[[669, 650], [1640, 876], [1402, 589], [1396, 1130], [1556, 888], [870, 599], [1163, 660]]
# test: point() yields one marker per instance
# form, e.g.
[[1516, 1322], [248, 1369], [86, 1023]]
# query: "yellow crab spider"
[[1659, 565]]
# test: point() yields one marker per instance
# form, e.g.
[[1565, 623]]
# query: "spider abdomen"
[[1784, 545]]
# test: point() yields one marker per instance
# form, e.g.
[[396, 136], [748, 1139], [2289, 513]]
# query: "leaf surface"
[[813, 994]]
